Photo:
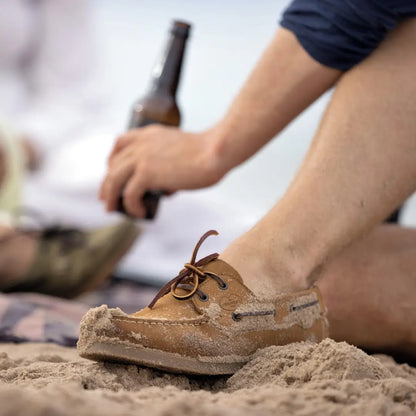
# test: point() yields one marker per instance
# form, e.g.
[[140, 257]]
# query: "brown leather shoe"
[[205, 321]]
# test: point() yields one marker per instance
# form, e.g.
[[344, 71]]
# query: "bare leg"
[[360, 166], [16, 256], [370, 291]]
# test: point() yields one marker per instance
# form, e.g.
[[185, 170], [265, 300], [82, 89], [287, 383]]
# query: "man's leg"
[[360, 166], [370, 291], [16, 255]]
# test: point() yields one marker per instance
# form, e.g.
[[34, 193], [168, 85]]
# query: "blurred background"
[[94, 59]]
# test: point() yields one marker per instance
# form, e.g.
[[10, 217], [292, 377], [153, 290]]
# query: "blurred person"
[[49, 97], [325, 230], [57, 261], [53, 260], [52, 97]]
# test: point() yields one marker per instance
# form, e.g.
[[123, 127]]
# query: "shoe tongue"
[[222, 269]]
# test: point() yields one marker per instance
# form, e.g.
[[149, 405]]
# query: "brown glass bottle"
[[159, 105]]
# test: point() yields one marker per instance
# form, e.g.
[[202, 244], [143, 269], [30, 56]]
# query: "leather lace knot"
[[191, 276]]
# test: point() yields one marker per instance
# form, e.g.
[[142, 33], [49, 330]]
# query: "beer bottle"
[[159, 104]]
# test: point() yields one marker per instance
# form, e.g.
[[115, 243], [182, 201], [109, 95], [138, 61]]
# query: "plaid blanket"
[[31, 317]]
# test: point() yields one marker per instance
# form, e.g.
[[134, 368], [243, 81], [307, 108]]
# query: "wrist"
[[214, 157], [223, 149]]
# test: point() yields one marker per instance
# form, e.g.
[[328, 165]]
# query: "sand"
[[300, 379]]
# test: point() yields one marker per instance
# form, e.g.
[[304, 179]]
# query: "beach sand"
[[300, 379]]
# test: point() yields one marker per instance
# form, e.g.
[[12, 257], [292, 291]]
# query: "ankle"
[[266, 269], [286, 264], [289, 254]]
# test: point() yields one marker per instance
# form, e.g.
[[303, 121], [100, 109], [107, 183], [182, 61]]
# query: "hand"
[[158, 158]]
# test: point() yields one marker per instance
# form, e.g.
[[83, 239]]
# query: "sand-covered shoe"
[[69, 261], [205, 321]]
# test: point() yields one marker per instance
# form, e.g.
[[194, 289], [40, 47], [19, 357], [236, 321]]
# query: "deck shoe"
[[204, 321]]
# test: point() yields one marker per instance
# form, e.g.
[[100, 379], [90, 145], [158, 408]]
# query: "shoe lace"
[[191, 276]]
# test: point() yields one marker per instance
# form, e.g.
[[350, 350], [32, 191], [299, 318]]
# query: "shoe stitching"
[[294, 308], [237, 316], [149, 322]]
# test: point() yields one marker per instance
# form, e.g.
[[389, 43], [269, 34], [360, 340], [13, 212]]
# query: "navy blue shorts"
[[341, 33]]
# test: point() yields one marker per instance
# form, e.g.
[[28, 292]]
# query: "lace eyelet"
[[235, 317], [204, 298], [224, 286]]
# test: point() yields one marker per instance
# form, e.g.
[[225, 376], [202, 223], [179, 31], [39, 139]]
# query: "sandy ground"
[[300, 379]]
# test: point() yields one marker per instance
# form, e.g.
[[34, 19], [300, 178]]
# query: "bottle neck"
[[166, 73]]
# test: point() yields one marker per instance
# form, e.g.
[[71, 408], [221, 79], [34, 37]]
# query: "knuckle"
[[133, 207], [130, 194], [111, 178], [122, 139], [137, 132], [142, 170], [113, 182], [153, 129]]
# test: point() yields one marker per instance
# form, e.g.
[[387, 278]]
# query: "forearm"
[[285, 81]]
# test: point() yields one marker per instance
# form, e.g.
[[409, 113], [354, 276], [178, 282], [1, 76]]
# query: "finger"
[[121, 159], [121, 143], [121, 156], [114, 183], [133, 196]]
